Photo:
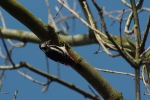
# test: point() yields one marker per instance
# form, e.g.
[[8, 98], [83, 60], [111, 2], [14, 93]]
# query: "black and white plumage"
[[56, 53]]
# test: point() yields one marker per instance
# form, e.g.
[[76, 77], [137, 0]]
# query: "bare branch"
[[58, 11], [7, 50], [128, 22], [145, 52], [50, 18], [146, 94], [84, 22], [127, 4], [136, 28], [53, 78], [145, 34], [146, 81], [67, 26], [32, 79], [64, 18], [2, 19], [4, 92], [98, 38], [116, 72], [1, 54], [122, 52], [15, 95], [73, 40]]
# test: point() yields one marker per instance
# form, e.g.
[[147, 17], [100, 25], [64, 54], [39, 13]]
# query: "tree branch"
[[44, 33], [145, 34], [27, 18], [47, 75], [121, 50], [25, 36], [137, 31]]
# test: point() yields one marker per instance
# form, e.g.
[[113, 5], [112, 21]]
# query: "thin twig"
[[126, 30], [146, 94], [144, 71], [4, 25], [83, 21], [117, 18], [63, 28], [74, 5], [4, 92], [98, 38], [127, 4], [30, 78], [6, 62], [122, 52], [4, 44], [48, 80], [148, 49], [64, 18], [1, 54], [2, 19], [128, 22], [109, 14], [1, 85], [7, 50], [58, 12], [116, 72], [15, 95], [92, 90], [145, 34], [61, 15], [50, 18], [120, 29], [17, 45]]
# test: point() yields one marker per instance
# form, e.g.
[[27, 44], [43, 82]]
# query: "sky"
[[30, 53]]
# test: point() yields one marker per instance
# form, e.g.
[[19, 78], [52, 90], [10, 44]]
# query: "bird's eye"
[[44, 48]]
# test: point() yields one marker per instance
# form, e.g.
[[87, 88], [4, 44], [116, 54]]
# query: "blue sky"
[[33, 55]]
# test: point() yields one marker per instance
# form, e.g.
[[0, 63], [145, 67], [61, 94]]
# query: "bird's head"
[[43, 46]]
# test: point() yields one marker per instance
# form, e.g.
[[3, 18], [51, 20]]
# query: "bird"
[[56, 53]]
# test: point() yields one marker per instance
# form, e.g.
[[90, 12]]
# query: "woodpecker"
[[57, 53]]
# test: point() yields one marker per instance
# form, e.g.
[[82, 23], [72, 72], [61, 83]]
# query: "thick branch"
[[25, 36], [137, 83]]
